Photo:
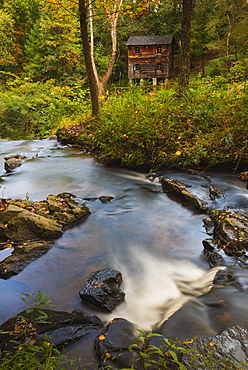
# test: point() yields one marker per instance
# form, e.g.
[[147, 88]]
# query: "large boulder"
[[28, 225], [102, 289], [25, 225], [179, 188], [26, 220]]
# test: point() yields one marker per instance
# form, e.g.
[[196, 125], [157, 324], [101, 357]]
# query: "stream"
[[153, 240]]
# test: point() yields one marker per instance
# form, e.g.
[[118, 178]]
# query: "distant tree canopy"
[[40, 39]]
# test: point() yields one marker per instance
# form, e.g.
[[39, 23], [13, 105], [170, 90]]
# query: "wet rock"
[[210, 253], [227, 277], [65, 209], [178, 187], [28, 221], [209, 245], [231, 231], [215, 192], [24, 225], [209, 225], [111, 345], [22, 255], [191, 320], [13, 161], [105, 198], [102, 289], [224, 350], [214, 259], [60, 327]]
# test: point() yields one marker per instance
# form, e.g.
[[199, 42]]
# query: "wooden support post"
[[154, 82]]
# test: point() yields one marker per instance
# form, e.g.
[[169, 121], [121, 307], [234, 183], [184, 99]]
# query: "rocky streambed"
[[29, 228]]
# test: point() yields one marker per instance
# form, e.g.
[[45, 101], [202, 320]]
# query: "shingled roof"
[[149, 40]]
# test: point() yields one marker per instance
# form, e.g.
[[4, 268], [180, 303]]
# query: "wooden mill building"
[[150, 57]]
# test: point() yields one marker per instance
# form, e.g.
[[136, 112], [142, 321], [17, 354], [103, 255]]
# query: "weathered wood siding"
[[151, 63]]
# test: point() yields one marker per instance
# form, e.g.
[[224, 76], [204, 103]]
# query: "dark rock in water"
[[209, 225], [102, 289], [23, 254], [178, 187], [231, 232], [13, 161], [210, 254], [214, 259], [105, 198], [209, 245], [215, 192], [230, 235], [226, 350], [191, 320], [227, 277], [60, 327], [111, 345]]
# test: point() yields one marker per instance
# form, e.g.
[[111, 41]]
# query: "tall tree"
[[93, 83]]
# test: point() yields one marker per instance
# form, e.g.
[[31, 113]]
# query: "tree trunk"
[[183, 81], [92, 45], [113, 18], [88, 60]]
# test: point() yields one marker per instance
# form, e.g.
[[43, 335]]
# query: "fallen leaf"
[[188, 341], [8, 246]]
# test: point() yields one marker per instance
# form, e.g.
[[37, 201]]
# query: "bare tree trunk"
[[88, 60], [92, 43], [183, 81], [113, 18]]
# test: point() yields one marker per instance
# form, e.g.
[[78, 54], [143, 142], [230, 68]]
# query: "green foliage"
[[28, 357], [155, 129], [7, 49], [35, 302], [31, 110], [23, 13], [157, 357], [170, 355], [27, 353]]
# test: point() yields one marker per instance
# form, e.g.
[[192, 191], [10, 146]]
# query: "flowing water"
[[153, 240]]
